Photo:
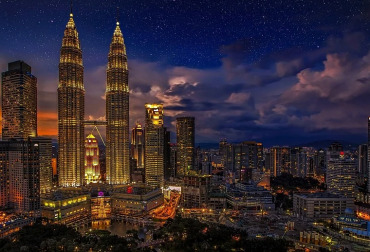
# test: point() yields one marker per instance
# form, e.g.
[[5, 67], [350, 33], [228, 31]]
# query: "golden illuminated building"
[[117, 112], [137, 145], [92, 166], [68, 208], [185, 129], [71, 100], [154, 145], [45, 159], [75, 207], [19, 101], [100, 208]]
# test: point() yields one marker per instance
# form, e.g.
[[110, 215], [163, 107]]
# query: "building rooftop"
[[321, 195], [135, 190]]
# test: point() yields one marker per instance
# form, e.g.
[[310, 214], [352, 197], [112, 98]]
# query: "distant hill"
[[207, 146], [323, 144]]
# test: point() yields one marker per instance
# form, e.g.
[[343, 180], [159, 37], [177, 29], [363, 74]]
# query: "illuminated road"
[[168, 210]]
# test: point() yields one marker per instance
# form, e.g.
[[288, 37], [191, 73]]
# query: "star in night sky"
[[281, 72]]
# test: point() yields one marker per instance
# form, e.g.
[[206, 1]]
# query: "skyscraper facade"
[[71, 102], [280, 160], [45, 160], [185, 129], [20, 164], [242, 159], [117, 112], [137, 145], [4, 174], [362, 163], [92, 165], [19, 101], [154, 145], [341, 176]]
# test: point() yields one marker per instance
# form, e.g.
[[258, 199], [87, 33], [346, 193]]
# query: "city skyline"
[[250, 88]]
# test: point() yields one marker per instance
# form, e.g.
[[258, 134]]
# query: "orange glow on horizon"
[[47, 123]]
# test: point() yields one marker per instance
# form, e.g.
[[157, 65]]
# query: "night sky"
[[280, 72]]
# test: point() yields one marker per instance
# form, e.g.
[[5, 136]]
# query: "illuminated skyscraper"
[[280, 160], [19, 101], [154, 145], [4, 174], [341, 176], [137, 145], [71, 102], [45, 160], [20, 164], [117, 112], [242, 159], [362, 163], [92, 166], [185, 129]]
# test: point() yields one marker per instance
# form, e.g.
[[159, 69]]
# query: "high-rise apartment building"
[[92, 165], [45, 160], [185, 129], [320, 163], [362, 163], [341, 176], [195, 191], [20, 166], [302, 162], [167, 154], [154, 145], [137, 145], [117, 112], [4, 174], [334, 151], [173, 160], [242, 158], [19, 101], [222, 148], [71, 105], [280, 160]]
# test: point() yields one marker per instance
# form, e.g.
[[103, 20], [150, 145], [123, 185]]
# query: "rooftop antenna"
[[117, 15], [71, 8]]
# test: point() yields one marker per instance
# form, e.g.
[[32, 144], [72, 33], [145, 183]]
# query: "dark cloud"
[[328, 99]]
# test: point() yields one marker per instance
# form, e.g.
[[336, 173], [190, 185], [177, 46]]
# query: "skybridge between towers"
[[95, 125]]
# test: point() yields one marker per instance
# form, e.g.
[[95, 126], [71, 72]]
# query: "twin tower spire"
[[71, 111]]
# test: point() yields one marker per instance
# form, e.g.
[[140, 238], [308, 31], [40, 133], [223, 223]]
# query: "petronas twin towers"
[[71, 106]]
